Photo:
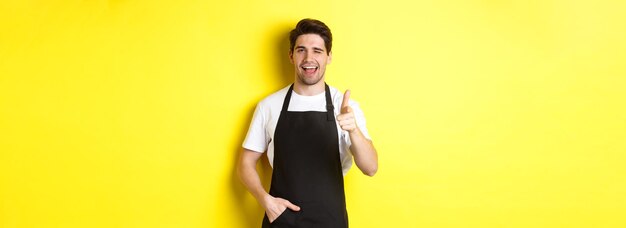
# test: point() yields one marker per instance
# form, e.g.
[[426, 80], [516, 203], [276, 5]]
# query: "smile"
[[309, 69]]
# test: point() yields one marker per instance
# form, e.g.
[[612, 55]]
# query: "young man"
[[310, 132]]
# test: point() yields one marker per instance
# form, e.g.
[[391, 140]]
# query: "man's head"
[[310, 44]]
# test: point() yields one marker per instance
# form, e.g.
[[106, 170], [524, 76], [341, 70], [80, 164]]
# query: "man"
[[309, 142]]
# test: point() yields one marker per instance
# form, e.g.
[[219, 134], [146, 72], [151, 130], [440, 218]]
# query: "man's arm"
[[246, 169], [364, 153], [362, 149]]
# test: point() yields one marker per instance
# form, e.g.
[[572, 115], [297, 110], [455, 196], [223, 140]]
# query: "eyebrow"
[[315, 48]]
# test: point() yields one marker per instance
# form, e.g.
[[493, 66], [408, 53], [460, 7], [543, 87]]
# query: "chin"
[[312, 81]]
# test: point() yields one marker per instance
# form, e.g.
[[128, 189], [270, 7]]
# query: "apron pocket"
[[288, 217], [322, 214]]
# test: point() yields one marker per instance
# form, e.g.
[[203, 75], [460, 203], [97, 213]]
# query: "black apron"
[[307, 168]]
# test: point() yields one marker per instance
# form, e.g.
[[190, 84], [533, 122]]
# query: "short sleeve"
[[256, 139]]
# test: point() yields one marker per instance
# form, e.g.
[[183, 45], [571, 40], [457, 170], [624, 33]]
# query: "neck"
[[309, 90]]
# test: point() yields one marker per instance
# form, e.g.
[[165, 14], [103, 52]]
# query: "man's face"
[[309, 58]]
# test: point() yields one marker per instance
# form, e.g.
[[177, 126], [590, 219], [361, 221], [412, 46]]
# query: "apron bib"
[[307, 168]]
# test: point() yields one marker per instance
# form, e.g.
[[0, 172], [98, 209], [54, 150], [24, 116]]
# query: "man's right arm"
[[246, 169]]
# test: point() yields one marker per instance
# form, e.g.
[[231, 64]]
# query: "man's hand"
[[346, 118], [275, 206], [361, 148]]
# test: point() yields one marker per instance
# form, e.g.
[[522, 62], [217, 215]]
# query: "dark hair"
[[311, 26]]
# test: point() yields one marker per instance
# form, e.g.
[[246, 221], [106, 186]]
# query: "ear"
[[330, 58], [291, 56]]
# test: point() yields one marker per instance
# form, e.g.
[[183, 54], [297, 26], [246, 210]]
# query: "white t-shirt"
[[260, 137]]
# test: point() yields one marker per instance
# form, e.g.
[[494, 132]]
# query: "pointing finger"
[[346, 99]]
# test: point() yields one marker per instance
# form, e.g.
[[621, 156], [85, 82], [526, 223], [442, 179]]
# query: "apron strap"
[[287, 99], [330, 109]]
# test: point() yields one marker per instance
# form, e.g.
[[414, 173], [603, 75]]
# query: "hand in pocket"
[[274, 207]]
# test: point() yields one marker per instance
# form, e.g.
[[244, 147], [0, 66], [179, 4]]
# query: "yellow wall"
[[485, 113]]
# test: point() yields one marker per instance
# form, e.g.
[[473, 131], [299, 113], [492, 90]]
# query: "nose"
[[307, 56]]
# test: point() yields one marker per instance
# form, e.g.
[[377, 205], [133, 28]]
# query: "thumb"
[[344, 104], [292, 206]]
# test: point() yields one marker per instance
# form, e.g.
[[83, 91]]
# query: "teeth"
[[309, 67]]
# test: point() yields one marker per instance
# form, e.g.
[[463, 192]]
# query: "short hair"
[[311, 26]]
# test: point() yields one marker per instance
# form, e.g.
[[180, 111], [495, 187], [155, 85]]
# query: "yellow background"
[[485, 113]]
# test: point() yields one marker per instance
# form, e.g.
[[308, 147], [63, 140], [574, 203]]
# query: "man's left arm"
[[362, 149]]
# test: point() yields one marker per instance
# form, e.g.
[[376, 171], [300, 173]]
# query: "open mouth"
[[309, 69]]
